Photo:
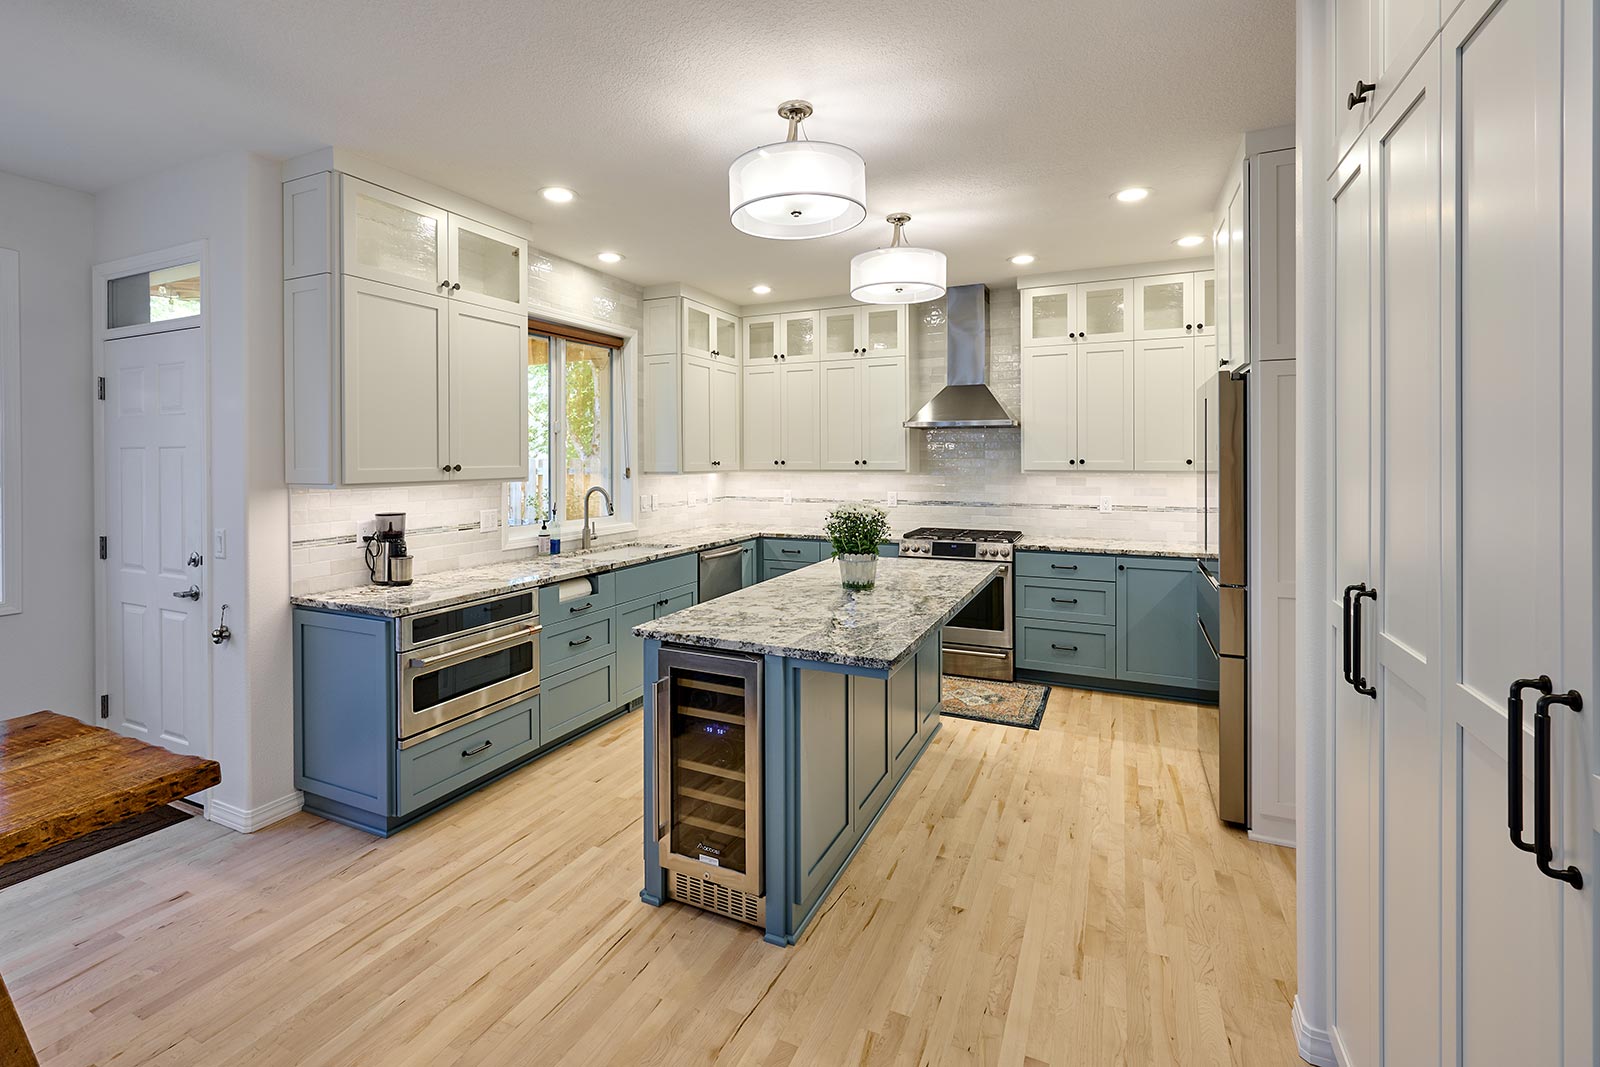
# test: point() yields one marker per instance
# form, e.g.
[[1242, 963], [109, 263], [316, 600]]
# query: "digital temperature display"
[[956, 549]]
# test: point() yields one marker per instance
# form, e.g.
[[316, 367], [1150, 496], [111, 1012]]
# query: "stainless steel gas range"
[[978, 642]]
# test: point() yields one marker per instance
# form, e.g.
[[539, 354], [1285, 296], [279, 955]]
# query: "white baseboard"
[[1273, 831], [249, 820], [1315, 1045]]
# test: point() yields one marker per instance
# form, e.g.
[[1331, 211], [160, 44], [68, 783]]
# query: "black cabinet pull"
[[1514, 755], [486, 746], [581, 607], [1064, 648], [1363, 90], [1344, 633], [1061, 600], [1063, 566], [1541, 786], [577, 644], [1359, 681], [662, 603], [790, 551]]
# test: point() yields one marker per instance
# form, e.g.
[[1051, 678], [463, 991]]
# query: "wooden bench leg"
[[14, 1048]]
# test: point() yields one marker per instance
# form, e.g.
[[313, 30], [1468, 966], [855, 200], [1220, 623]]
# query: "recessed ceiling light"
[[1133, 196], [609, 257], [761, 290], [1021, 261], [1189, 240], [558, 194]]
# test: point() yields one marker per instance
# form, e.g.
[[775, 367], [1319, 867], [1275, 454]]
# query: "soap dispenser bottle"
[[544, 538]]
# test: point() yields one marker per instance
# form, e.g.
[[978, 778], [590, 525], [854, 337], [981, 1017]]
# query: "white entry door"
[[157, 629]]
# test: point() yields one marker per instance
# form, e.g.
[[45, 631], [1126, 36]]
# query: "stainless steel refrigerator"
[[1223, 613]]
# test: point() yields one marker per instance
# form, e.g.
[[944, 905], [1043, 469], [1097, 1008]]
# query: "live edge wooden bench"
[[60, 780]]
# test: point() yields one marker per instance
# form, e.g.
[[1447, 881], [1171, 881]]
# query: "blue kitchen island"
[[779, 721]]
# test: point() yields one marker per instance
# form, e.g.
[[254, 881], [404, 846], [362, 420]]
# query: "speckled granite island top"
[[808, 615]]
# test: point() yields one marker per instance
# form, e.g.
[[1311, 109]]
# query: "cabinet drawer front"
[[553, 611], [577, 643], [1067, 565], [791, 550], [654, 579], [443, 764], [771, 569], [573, 699], [1067, 599], [1059, 648]]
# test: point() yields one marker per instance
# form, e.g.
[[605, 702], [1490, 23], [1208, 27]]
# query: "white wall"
[[47, 651], [233, 203]]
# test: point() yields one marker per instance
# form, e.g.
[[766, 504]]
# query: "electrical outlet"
[[1105, 504], [788, 496], [894, 498], [488, 519]]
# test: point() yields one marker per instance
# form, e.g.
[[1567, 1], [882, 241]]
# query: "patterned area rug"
[[1006, 703]]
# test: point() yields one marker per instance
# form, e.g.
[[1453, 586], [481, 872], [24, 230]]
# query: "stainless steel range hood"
[[965, 400]]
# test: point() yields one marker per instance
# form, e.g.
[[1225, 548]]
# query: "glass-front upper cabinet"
[[1049, 315], [798, 338], [839, 336], [724, 336], [883, 330], [1205, 304], [1163, 306], [1104, 311], [394, 239], [696, 330], [487, 266], [761, 339]]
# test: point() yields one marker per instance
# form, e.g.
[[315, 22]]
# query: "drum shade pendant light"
[[795, 190], [899, 274]]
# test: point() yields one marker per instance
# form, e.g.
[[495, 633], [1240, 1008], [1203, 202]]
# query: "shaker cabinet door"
[[883, 431], [1049, 415], [1104, 406], [392, 238], [1163, 422], [488, 359], [841, 416], [763, 415], [487, 266], [395, 415]]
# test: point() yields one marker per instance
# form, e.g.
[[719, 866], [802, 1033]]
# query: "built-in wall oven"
[[978, 642], [464, 662]]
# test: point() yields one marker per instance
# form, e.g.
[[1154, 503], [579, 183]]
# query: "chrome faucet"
[[588, 523]]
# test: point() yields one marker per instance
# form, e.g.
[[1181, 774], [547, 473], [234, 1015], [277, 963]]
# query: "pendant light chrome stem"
[[796, 111]]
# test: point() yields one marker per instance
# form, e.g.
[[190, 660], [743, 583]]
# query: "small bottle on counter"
[[555, 546], [544, 538]]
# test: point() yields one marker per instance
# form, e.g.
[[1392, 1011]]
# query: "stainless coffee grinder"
[[387, 559]]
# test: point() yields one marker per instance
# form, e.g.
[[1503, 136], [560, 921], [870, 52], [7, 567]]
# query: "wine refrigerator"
[[708, 780]]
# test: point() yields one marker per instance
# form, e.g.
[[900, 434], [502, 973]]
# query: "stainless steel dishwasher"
[[721, 571]]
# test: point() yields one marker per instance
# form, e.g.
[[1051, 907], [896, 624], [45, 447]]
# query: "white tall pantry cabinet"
[[1462, 588]]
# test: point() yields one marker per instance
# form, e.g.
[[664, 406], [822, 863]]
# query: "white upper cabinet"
[[724, 337], [761, 339], [841, 415], [864, 330], [841, 338], [1205, 304], [1049, 315], [396, 384], [1049, 409], [883, 430], [1164, 394], [797, 337], [1104, 311], [697, 333], [710, 415], [1105, 406], [800, 397], [487, 266], [488, 391], [763, 416], [1163, 306], [1374, 43], [394, 239], [724, 415]]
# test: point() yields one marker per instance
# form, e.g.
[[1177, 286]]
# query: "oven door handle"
[[419, 663]]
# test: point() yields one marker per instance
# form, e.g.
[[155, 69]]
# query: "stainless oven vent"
[[704, 893]]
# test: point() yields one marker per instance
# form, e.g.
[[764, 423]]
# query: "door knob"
[[191, 593], [196, 559]]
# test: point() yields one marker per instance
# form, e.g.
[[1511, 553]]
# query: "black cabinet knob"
[[1072, 463], [1188, 326], [1199, 325], [457, 467], [455, 287], [1364, 89], [1190, 462], [445, 468], [783, 463]]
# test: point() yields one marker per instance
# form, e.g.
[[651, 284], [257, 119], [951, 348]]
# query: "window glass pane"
[[156, 296], [530, 500], [587, 395]]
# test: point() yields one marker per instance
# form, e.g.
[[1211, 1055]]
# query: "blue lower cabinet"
[[930, 679], [437, 767], [630, 649], [1156, 632], [344, 710], [750, 563], [649, 579], [575, 643], [772, 568], [1067, 600], [575, 698], [887, 549], [1067, 648]]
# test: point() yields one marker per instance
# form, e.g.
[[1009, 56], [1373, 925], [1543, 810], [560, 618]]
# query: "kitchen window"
[[574, 430]]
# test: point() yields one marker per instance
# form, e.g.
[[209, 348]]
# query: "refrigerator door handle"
[[1200, 565], [1212, 645]]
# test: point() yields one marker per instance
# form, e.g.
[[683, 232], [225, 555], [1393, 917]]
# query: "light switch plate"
[[219, 543], [488, 519], [894, 498], [788, 496], [1105, 504], [644, 501]]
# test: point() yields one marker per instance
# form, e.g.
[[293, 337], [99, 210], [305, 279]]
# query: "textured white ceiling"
[[1001, 127]]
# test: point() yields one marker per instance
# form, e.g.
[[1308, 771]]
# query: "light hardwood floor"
[[1051, 897]]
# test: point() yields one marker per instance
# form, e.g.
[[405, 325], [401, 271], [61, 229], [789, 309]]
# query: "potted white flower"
[[856, 530]]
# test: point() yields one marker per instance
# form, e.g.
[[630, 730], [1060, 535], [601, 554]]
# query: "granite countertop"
[[442, 589], [806, 614]]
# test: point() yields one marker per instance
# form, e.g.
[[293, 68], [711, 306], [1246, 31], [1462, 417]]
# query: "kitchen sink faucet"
[[588, 523]]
